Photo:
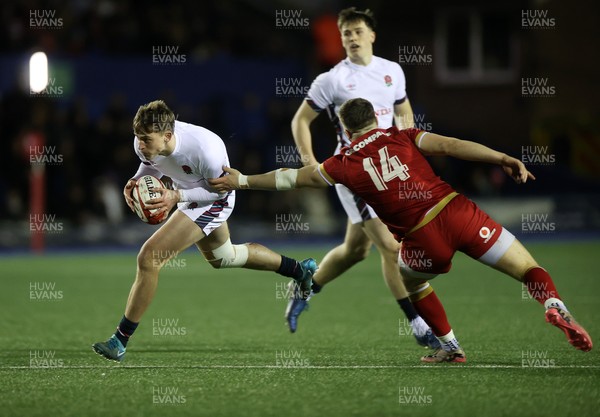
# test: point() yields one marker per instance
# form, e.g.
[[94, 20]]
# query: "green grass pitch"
[[214, 343]]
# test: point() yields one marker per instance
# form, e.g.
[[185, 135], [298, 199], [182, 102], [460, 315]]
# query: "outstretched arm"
[[432, 144], [281, 179]]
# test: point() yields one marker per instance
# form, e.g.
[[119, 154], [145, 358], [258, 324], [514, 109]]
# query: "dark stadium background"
[[101, 57], [357, 352]]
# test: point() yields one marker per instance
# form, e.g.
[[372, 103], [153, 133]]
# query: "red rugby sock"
[[540, 285], [429, 306]]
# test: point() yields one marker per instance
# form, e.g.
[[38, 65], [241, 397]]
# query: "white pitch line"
[[445, 366]]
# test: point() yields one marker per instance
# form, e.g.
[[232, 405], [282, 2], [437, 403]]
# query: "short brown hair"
[[351, 15], [356, 114], [155, 116]]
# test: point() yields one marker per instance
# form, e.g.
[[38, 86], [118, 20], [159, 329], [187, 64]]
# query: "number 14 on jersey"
[[390, 168]]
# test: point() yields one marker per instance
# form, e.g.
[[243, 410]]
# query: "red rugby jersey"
[[386, 169]]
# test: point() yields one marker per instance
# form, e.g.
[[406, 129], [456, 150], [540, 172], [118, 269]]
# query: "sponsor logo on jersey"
[[186, 169], [383, 112], [388, 80], [372, 138], [486, 234], [351, 87]]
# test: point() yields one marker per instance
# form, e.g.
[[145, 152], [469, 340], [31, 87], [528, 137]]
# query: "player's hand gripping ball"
[[142, 193]]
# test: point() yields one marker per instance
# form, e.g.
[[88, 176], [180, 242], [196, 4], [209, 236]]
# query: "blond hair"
[[155, 116]]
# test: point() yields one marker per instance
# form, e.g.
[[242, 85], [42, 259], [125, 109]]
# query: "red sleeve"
[[333, 169], [412, 133]]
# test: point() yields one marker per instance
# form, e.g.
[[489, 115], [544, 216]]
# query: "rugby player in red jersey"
[[380, 165]]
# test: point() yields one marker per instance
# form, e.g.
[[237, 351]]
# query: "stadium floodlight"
[[38, 72]]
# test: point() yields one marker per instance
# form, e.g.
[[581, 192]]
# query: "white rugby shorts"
[[356, 208], [210, 216]]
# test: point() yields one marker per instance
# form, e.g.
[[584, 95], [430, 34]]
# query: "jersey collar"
[[360, 67]]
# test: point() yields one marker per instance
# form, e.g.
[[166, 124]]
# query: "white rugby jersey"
[[199, 154], [381, 82]]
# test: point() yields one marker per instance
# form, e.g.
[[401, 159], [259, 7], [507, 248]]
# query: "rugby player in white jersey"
[[382, 82], [189, 155]]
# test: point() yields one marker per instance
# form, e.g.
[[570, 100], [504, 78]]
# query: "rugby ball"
[[142, 193]]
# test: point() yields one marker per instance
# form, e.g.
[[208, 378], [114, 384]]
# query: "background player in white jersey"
[[381, 82], [189, 155]]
